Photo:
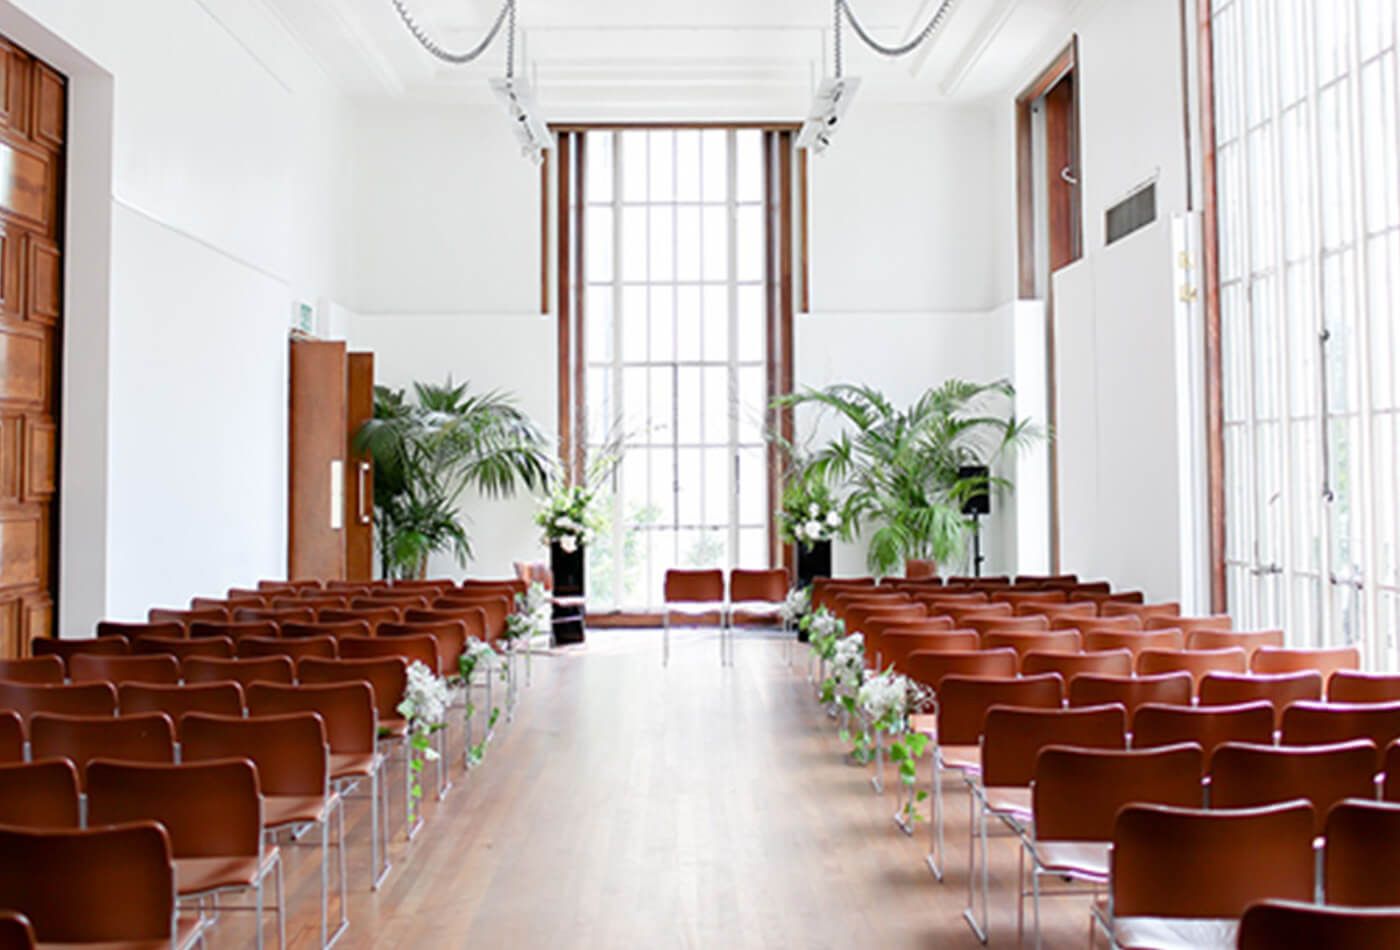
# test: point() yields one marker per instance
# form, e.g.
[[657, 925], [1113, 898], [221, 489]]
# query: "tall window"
[[1308, 192], [674, 327]]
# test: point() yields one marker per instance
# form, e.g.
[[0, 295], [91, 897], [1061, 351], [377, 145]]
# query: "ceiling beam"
[[981, 39]]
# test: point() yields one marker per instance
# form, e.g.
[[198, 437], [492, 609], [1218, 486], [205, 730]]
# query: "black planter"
[[813, 561], [567, 569]]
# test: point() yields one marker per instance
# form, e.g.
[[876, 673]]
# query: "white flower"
[[796, 604], [848, 664], [424, 702], [568, 543], [833, 519], [814, 529], [814, 509]]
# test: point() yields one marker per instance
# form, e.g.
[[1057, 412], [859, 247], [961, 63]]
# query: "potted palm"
[[904, 468], [428, 451]]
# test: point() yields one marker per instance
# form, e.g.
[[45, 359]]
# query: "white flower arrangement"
[[848, 666], [424, 705], [796, 605], [568, 519], [810, 514], [888, 698], [478, 655], [533, 616]]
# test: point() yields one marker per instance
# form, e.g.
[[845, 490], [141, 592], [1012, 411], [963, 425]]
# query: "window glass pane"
[[598, 167], [715, 240], [716, 320], [663, 159], [715, 166], [748, 171], [662, 244], [688, 325], [634, 324], [662, 321], [718, 463], [598, 254], [598, 334], [749, 233], [717, 402], [634, 243], [688, 243], [688, 165], [634, 166], [752, 324]]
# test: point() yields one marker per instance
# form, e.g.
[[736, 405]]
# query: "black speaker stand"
[[977, 556]]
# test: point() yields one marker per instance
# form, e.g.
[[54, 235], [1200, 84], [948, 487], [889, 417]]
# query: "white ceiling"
[[670, 59]]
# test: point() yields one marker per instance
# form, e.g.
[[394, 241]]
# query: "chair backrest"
[[1034, 623], [417, 584], [248, 594], [687, 586], [349, 588], [1325, 661], [95, 885], [1018, 598], [254, 599], [1247, 640], [186, 617], [419, 648], [1187, 625], [963, 702], [1209, 727], [86, 668], [290, 751], [1359, 867], [1070, 665], [767, 586], [1172, 689], [277, 584], [219, 699], [374, 616], [278, 615], [1189, 862], [1343, 686], [292, 648], [209, 809], [1307, 722], [347, 709], [507, 585], [135, 630], [400, 599], [473, 617], [1269, 925], [451, 637], [1196, 662], [319, 601], [1244, 775], [67, 649], [11, 736], [80, 699], [1055, 612], [941, 600], [1078, 793], [235, 630], [1134, 641], [1012, 737], [183, 647], [1032, 641], [966, 616], [139, 737], [896, 646], [40, 794], [388, 676], [32, 669], [1088, 625], [16, 932], [1280, 689], [326, 628], [929, 667], [857, 614], [1113, 607], [245, 672], [495, 608]]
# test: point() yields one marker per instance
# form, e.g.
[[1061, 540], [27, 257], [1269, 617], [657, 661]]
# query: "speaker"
[[979, 502]]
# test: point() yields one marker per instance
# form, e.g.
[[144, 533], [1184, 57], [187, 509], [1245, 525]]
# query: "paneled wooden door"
[[33, 125], [359, 471]]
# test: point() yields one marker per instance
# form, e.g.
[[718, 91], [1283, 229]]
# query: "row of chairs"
[[697, 595]]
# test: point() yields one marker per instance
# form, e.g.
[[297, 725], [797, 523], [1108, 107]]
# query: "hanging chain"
[[836, 37], [934, 23], [459, 59]]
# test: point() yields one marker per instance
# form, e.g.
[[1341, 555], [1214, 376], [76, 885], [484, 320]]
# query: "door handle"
[[364, 504]]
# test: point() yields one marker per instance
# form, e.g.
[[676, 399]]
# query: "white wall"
[[220, 159]]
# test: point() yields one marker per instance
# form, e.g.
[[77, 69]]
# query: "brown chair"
[[1314, 723], [212, 812], [897, 645], [67, 649], [262, 669], [401, 600], [293, 648], [80, 699], [1056, 612], [1343, 686], [956, 731], [1088, 625], [450, 635], [275, 586], [109, 886], [1247, 640], [216, 699], [183, 647], [1390, 784], [1173, 689], [1134, 641], [347, 709], [1042, 580], [293, 763], [967, 616], [235, 630], [496, 607], [351, 588], [1070, 665], [417, 584], [1269, 925], [388, 677], [492, 585], [86, 668], [40, 794], [943, 598], [374, 616], [325, 628], [1359, 868], [1242, 776], [1012, 739], [1076, 796], [1180, 872], [876, 626], [11, 736], [757, 595], [1033, 641], [16, 932], [248, 594], [694, 595], [1196, 662], [1036, 623], [318, 602], [186, 617], [1217, 623], [1111, 607], [1091, 591], [1324, 661], [473, 617], [1034, 598], [929, 667], [139, 737], [278, 615], [420, 648], [169, 629], [1280, 689], [229, 602], [36, 669], [1209, 727]]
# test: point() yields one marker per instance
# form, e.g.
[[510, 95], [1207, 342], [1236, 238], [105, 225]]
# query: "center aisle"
[[630, 805]]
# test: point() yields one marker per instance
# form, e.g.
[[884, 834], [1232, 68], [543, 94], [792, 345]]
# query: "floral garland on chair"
[[533, 615], [424, 706], [886, 701], [479, 655]]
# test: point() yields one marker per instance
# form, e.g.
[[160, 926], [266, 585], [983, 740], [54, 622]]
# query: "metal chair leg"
[[666, 637]]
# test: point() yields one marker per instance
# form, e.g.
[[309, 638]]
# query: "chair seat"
[[1082, 858], [927, 723], [1012, 802], [353, 765], [282, 810], [1175, 933], [187, 930], [202, 875], [961, 758]]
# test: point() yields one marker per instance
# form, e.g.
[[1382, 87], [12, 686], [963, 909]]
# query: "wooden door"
[[1062, 173], [359, 472], [316, 461], [33, 100]]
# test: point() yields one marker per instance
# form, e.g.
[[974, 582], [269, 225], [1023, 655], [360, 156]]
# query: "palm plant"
[[902, 467], [428, 451]]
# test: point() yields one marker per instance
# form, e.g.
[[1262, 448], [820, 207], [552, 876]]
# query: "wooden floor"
[[629, 805]]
